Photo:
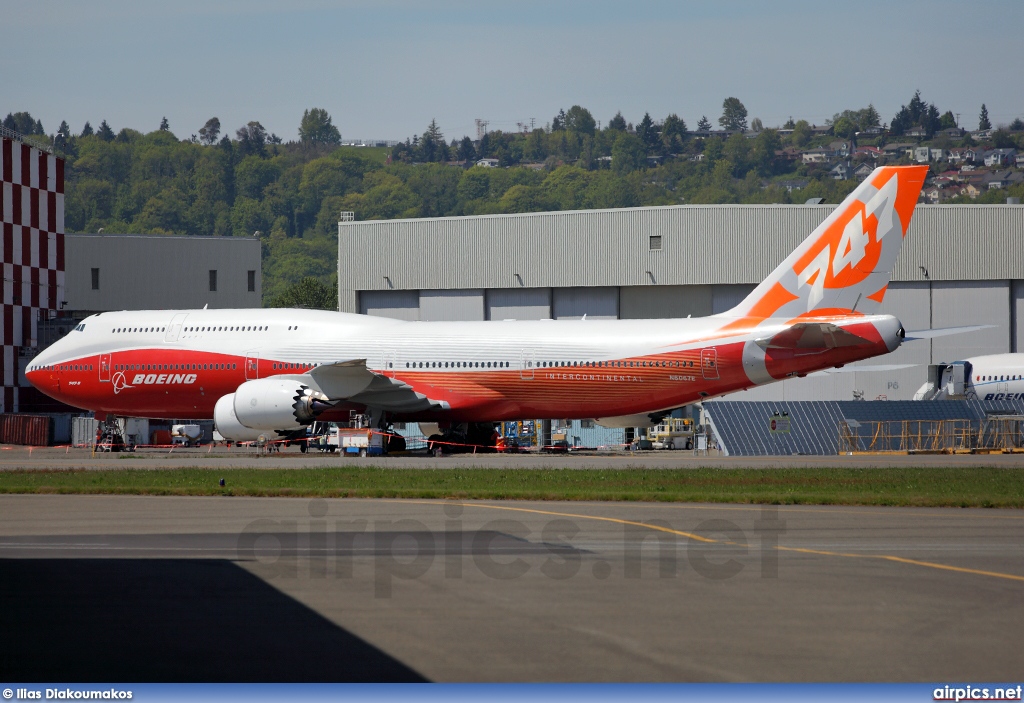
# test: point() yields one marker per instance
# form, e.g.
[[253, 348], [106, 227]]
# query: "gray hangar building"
[[960, 265]]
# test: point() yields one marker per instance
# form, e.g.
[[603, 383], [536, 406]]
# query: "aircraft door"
[[105, 368], [174, 329], [389, 362], [526, 365], [252, 366], [709, 363]]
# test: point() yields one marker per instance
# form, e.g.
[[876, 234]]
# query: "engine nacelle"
[[276, 404], [228, 425]]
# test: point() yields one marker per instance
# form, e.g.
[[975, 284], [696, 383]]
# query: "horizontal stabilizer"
[[865, 368], [811, 337], [943, 332]]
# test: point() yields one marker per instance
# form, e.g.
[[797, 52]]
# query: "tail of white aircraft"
[[845, 264]]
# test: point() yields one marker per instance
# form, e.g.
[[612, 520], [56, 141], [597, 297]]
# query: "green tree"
[[617, 123], [252, 139], [983, 121], [209, 132], [736, 150], [316, 129], [22, 123], [578, 119], [310, 293], [762, 155], [673, 133], [734, 115], [558, 122], [756, 125], [253, 174], [432, 147], [466, 151], [164, 125], [801, 133], [60, 139], [105, 132], [713, 148], [566, 186], [87, 130], [522, 198], [628, 153], [704, 124], [647, 133], [535, 147], [947, 121]]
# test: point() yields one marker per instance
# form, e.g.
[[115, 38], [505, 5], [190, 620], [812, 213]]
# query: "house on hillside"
[[815, 156], [862, 171], [970, 190], [951, 133], [488, 163], [789, 154], [898, 150], [1004, 179], [1001, 157], [922, 154], [872, 152], [839, 149], [974, 155], [938, 154], [916, 133], [842, 171]]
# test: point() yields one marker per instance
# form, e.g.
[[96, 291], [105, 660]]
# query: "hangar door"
[[957, 303], [663, 302], [399, 304], [519, 304], [451, 305], [595, 303]]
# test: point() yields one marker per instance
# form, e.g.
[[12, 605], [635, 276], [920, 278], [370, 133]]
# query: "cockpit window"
[[80, 328]]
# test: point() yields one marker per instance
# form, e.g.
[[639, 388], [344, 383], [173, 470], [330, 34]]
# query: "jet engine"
[[228, 425], [267, 405], [277, 404]]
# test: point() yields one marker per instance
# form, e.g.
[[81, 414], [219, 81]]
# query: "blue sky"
[[385, 68]]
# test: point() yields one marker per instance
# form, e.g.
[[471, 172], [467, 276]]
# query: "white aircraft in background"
[[991, 377], [264, 372]]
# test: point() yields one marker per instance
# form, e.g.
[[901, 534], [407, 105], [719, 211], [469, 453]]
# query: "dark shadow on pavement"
[[169, 620]]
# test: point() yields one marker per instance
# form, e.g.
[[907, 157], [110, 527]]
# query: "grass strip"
[[932, 487]]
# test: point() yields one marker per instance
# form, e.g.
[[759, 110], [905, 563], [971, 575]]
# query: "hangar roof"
[[699, 244]]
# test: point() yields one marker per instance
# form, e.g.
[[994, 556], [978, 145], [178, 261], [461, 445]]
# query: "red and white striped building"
[[32, 209]]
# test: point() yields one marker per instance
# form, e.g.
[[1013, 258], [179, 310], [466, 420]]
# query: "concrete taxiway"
[[149, 588]]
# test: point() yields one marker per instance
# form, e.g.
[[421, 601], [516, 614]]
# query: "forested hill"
[[291, 193]]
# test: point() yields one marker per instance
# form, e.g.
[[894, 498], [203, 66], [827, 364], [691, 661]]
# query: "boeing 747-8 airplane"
[[261, 372]]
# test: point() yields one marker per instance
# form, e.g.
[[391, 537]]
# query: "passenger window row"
[[549, 364], [61, 367], [175, 367], [615, 364], [456, 364], [211, 328]]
